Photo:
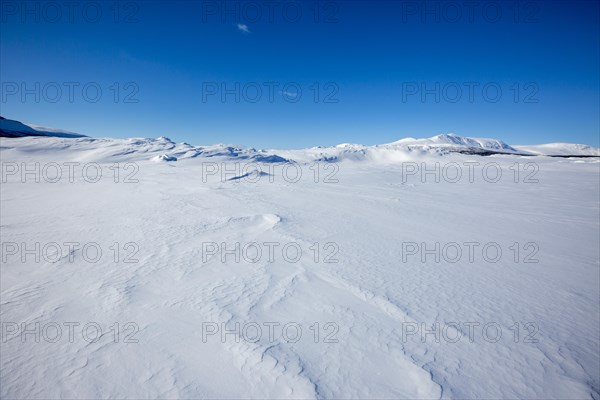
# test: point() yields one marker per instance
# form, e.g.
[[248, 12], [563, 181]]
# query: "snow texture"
[[365, 206]]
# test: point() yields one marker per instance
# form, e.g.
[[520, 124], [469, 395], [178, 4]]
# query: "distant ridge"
[[13, 129], [164, 149]]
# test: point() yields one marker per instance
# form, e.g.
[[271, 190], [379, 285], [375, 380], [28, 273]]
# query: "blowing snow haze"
[[299, 200]]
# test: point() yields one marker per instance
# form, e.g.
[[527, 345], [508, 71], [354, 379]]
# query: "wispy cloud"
[[288, 94], [243, 28]]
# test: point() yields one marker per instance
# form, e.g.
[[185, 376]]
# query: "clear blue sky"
[[373, 58]]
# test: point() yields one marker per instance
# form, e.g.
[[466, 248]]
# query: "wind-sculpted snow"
[[186, 256]]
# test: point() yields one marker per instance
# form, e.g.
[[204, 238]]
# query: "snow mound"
[[253, 175], [165, 157]]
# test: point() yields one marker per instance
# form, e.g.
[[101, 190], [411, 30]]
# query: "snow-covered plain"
[[362, 290]]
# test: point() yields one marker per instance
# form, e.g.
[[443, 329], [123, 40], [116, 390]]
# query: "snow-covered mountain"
[[408, 148], [164, 149], [454, 143], [561, 149]]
